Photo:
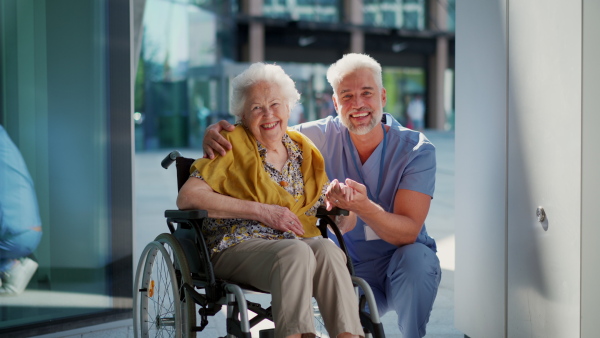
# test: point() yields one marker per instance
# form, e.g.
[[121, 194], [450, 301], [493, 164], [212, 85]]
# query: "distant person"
[[20, 224], [416, 113]]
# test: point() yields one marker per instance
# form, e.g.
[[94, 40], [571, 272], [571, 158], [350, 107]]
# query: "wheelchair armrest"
[[186, 218], [186, 214], [335, 211]]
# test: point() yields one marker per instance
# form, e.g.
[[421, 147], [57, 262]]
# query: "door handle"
[[541, 214]]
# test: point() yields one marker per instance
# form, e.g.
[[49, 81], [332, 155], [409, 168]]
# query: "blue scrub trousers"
[[406, 282]]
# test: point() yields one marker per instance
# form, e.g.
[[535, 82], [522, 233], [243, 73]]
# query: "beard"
[[361, 129]]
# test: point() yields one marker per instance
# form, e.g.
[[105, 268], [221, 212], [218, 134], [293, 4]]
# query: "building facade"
[[189, 51]]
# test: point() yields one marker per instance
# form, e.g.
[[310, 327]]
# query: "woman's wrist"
[[260, 210]]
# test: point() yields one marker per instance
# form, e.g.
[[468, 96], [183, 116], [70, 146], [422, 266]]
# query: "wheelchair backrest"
[[183, 165]]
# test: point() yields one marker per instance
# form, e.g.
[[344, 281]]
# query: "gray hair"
[[260, 72], [350, 63]]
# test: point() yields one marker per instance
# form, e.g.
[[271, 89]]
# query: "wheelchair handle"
[[335, 211], [166, 162]]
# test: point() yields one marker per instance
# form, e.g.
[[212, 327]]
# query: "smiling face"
[[359, 101], [266, 113]]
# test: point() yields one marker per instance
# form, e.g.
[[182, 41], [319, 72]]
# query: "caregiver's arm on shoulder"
[[197, 194], [213, 142]]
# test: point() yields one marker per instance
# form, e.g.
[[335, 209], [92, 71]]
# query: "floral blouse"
[[220, 233]]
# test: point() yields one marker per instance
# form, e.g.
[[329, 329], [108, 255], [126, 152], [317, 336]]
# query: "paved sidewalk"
[[156, 191]]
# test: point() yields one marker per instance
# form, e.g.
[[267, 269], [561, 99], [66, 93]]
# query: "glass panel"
[[402, 85], [53, 107], [308, 10], [449, 99], [388, 18], [406, 14], [411, 20], [451, 15], [370, 19], [181, 42]]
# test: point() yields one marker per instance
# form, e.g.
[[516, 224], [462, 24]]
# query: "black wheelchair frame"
[[175, 280]]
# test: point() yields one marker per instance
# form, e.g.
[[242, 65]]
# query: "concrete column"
[[436, 115], [256, 31], [354, 15], [481, 173]]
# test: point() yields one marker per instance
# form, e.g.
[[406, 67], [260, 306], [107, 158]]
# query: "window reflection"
[[179, 73], [20, 223], [54, 108]]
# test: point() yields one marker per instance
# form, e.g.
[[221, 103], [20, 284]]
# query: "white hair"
[[350, 63], [260, 72]]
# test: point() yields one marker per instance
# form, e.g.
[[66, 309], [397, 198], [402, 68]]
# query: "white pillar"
[[438, 63]]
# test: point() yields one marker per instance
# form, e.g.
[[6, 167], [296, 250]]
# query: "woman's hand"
[[215, 142], [338, 194], [280, 218]]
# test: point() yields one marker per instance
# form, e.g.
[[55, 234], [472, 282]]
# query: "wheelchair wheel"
[[158, 307], [182, 272]]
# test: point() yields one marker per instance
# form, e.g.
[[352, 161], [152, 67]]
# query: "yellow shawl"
[[240, 174]]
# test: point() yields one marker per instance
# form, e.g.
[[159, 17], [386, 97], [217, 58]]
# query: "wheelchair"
[[175, 282]]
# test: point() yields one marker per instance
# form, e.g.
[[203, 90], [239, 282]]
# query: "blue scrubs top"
[[408, 163]]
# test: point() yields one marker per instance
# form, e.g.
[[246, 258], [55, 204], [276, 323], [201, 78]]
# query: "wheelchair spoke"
[[164, 302], [160, 303]]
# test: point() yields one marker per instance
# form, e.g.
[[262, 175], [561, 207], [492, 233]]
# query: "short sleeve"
[[419, 174]]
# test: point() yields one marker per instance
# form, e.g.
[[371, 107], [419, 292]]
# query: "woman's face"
[[266, 113]]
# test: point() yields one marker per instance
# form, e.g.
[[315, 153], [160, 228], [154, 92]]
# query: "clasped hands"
[[347, 195], [350, 196]]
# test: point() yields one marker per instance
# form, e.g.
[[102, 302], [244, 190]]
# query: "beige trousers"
[[294, 271]]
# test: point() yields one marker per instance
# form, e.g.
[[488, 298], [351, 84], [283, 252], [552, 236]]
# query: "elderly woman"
[[262, 198]]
